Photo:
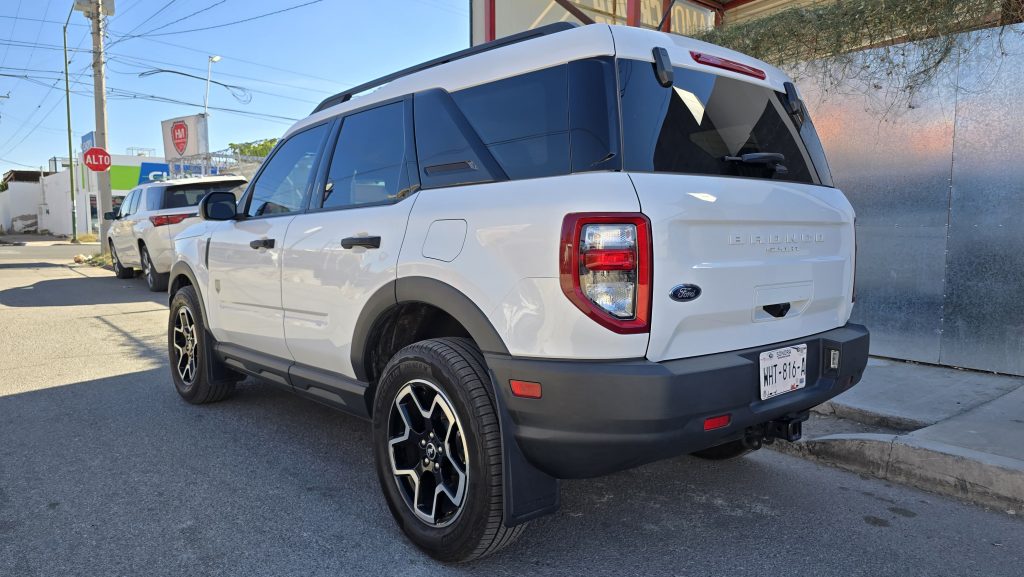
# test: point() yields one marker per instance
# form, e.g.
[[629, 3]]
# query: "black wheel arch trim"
[[428, 291], [182, 268]]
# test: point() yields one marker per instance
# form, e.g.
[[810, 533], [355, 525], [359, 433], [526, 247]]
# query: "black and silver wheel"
[[428, 453], [120, 271], [189, 353], [438, 450], [154, 280]]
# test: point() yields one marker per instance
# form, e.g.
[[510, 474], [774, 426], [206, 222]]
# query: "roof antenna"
[[664, 16]]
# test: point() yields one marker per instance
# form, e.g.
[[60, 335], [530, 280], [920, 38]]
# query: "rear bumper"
[[597, 417]]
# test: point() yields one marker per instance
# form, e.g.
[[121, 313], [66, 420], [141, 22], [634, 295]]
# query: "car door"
[[122, 229], [245, 254], [346, 246]]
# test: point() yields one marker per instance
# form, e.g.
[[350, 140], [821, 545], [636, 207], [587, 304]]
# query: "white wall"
[[21, 199]]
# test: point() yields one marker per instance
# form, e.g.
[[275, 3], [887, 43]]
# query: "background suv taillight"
[[605, 268]]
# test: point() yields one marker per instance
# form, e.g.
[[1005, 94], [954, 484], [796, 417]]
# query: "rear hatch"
[[751, 244]]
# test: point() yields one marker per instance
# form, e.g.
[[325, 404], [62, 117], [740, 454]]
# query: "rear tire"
[[157, 282], [120, 271], [188, 349], [723, 452], [438, 453]]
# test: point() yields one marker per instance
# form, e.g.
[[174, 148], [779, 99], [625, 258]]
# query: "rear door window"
[[705, 124], [370, 160]]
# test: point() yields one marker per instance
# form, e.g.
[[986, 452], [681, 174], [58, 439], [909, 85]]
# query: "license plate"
[[783, 370]]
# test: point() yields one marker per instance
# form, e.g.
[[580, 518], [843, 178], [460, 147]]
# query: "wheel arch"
[[182, 275], [428, 291]]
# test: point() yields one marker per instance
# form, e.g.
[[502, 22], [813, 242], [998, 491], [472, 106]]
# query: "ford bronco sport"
[[557, 255]]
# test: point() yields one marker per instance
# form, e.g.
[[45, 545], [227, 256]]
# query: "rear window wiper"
[[771, 160]]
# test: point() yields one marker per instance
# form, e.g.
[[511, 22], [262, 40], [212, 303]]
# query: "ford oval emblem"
[[684, 292]]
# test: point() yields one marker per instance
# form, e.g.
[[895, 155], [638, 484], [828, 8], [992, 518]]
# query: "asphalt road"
[[104, 471]]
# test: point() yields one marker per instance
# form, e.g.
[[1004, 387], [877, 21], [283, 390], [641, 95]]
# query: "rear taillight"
[[165, 219], [605, 268], [726, 64]]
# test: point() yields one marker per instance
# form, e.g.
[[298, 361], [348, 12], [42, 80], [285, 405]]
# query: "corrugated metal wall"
[[939, 194]]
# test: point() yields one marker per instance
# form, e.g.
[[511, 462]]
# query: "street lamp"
[[209, 69]]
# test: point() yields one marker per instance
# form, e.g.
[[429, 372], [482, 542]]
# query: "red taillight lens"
[[605, 268], [712, 423], [525, 389], [610, 259], [726, 64], [165, 219]]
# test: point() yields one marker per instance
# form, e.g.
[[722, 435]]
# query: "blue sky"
[[286, 63]]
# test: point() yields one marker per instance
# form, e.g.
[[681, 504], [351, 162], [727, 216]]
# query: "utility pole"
[[71, 152], [99, 82]]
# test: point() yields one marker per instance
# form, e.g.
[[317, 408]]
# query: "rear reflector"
[[712, 423], [525, 389], [610, 259], [725, 64], [166, 219]]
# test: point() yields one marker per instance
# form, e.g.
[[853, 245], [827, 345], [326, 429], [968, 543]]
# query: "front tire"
[[188, 349], [120, 271], [157, 282], [438, 453]]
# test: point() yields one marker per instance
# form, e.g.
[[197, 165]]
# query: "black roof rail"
[[513, 39]]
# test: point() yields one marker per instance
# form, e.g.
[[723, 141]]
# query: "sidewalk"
[[39, 240], [949, 431]]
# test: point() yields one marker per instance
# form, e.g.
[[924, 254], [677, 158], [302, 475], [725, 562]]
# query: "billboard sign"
[[185, 136]]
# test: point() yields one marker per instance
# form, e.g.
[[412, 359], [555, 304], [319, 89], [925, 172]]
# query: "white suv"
[[142, 229], [558, 255]]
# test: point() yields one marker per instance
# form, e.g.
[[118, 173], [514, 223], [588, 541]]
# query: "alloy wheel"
[[428, 453], [186, 344]]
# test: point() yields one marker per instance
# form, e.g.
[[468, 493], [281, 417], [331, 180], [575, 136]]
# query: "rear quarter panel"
[[508, 264]]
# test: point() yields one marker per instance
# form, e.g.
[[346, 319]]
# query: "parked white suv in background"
[[143, 228], [561, 254]]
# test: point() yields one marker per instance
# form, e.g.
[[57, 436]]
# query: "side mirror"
[[109, 216], [218, 205]]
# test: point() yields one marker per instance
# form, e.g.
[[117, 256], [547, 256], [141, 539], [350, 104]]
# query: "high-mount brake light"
[[605, 268], [166, 219], [726, 64]]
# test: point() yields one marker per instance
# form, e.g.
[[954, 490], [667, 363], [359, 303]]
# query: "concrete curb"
[[980, 478], [11, 243], [867, 417]]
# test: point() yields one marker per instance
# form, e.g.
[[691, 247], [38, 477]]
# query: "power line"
[[297, 6], [200, 11], [151, 16], [6, 50]]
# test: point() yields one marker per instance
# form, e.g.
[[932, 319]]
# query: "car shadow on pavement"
[[119, 475], [79, 291]]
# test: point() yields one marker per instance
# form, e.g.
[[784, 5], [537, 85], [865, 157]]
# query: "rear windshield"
[[705, 124], [186, 195]]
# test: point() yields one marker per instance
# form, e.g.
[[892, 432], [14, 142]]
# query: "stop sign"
[[97, 159]]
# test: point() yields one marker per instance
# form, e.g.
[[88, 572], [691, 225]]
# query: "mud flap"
[[529, 492]]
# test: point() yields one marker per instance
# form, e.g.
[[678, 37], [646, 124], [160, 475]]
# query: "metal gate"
[[939, 194]]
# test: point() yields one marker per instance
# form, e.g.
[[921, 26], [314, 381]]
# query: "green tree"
[[259, 148]]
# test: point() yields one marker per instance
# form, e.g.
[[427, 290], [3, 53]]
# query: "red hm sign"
[[179, 136]]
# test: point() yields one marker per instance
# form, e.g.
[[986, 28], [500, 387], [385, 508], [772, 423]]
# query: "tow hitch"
[[788, 428]]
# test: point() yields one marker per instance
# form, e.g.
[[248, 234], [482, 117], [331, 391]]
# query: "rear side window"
[[189, 195], [154, 198], [369, 164], [523, 121], [705, 123]]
